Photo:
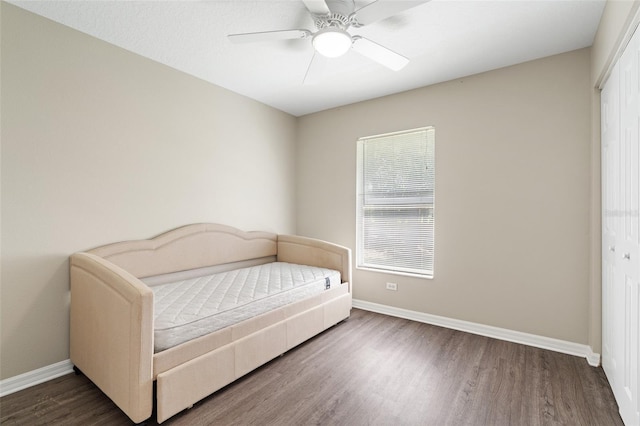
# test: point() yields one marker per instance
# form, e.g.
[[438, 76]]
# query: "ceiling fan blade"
[[268, 36], [315, 71], [382, 9], [317, 7], [379, 54]]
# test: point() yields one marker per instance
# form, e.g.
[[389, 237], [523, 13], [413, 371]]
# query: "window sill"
[[391, 272]]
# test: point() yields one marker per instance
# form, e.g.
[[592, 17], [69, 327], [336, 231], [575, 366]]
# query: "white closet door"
[[612, 336], [621, 231], [630, 236]]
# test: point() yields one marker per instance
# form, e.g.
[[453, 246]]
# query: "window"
[[395, 206]]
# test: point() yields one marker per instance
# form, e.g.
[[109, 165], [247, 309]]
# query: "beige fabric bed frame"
[[112, 315]]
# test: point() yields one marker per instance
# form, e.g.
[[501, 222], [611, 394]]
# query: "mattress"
[[189, 308]]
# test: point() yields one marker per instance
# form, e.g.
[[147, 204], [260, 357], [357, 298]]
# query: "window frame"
[[399, 203]]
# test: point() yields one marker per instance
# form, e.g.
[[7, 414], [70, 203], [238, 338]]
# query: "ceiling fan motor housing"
[[341, 15], [334, 20]]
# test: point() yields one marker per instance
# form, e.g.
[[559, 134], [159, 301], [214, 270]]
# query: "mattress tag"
[[327, 283]]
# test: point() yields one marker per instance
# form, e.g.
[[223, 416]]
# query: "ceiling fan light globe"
[[331, 42]]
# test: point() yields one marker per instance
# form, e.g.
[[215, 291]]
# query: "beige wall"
[[100, 145], [512, 194]]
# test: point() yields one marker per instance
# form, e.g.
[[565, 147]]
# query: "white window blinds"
[[395, 206]]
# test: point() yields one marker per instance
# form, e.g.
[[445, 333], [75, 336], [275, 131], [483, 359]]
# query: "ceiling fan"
[[333, 19]]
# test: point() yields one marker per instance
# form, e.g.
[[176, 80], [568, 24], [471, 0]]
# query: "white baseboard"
[[485, 330], [35, 377]]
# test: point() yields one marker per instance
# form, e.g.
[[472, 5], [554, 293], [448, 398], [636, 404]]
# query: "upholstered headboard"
[[188, 247]]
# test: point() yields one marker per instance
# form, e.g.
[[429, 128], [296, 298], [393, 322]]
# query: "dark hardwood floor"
[[369, 370]]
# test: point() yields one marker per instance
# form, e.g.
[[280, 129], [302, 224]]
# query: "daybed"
[[116, 289]]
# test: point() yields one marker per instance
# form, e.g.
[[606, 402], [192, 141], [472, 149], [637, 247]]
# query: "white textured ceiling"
[[444, 39]]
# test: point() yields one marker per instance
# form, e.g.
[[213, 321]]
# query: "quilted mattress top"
[[190, 308]]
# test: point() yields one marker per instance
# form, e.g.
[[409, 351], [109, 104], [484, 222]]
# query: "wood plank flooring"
[[369, 370]]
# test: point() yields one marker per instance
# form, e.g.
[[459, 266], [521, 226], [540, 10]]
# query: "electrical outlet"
[[392, 286]]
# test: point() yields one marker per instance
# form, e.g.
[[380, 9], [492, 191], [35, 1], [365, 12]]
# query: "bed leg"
[[77, 371]]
